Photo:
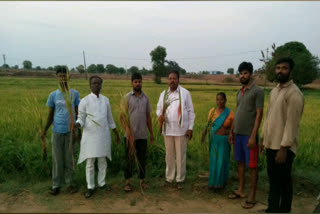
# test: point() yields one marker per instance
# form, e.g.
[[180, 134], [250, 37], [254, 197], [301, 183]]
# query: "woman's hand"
[[203, 138]]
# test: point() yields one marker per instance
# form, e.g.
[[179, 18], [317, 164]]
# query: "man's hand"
[[261, 146], [161, 119], [189, 134], [252, 143], [231, 138], [203, 137], [281, 156], [151, 139]]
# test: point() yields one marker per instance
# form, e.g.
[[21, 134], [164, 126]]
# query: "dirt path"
[[197, 199]]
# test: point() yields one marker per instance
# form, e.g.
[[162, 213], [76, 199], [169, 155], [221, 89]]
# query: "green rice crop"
[[21, 149]]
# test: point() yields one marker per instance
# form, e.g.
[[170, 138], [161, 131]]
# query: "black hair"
[[95, 76], [245, 66], [136, 76], [288, 60], [61, 69], [175, 72], [223, 95]]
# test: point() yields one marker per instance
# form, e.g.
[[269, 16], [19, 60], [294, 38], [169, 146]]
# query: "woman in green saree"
[[220, 120]]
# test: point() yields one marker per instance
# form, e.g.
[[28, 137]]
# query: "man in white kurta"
[[178, 121], [96, 119]]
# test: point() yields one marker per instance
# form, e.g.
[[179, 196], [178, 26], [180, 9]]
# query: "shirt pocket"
[[250, 105], [142, 106]]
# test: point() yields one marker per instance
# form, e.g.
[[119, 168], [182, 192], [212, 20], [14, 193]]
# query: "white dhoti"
[[102, 166]]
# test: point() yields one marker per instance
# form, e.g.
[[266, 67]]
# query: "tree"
[[80, 69], [158, 57], [133, 69], [5, 66], [38, 68], [121, 70], [15, 67], [27, 64], [306, 65], [92, 68], [111, 69], [58, 67], [230, 71], [50, 68], [100, 68], [172, 65]]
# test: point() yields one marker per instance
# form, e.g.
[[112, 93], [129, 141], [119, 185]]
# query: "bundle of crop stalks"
[[208, 128], [32, 106], [166, 104], [68, 97]]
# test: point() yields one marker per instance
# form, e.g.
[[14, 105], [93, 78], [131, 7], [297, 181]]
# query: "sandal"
[[128, 187], [248, 204], [236, 195]]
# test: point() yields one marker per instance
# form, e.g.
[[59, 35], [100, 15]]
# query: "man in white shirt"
[[96, 119], [176, 115]]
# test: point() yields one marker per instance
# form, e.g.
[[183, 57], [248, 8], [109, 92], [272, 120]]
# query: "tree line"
[[305, 71]]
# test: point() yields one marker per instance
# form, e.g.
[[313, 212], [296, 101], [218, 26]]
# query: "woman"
[[220, 120]]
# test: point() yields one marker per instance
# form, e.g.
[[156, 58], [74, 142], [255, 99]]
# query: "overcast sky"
[[197, 35]]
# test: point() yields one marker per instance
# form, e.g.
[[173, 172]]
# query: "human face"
[[283, 72], [245, 77], [173, 81], [95, 85], [221, 102], [62, 78], [137, 85]]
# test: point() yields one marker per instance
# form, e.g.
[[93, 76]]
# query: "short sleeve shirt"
[[139, 106], [61, 118], [247, 102]]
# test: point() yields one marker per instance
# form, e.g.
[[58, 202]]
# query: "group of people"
[[176, 116]]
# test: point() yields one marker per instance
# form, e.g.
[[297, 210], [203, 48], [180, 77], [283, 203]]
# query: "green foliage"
[[111, 69], [92, 68], [38, 68], [306, 65], [230, 71], [133, 69], [27, 64], [20, 144], [100, 68], [80, 69], [5, 66], [59, 67], [158, 58], [172, 65]]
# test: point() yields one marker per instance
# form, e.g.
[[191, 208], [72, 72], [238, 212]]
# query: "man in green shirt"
[[244, 132]]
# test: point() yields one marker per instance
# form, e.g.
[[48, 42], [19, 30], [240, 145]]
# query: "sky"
[[197, 35]]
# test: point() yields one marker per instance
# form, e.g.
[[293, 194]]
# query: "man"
[[96, 119], [176, 115], [280, 136], [139, 114], [244, 132], [62, 154]]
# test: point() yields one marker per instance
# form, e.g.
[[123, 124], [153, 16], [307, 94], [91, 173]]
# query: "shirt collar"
[[92, 94], [252, 84], [177, 90], [133, 94], [285, 85]]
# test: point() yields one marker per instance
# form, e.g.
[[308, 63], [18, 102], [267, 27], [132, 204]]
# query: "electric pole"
[[85, 67]]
